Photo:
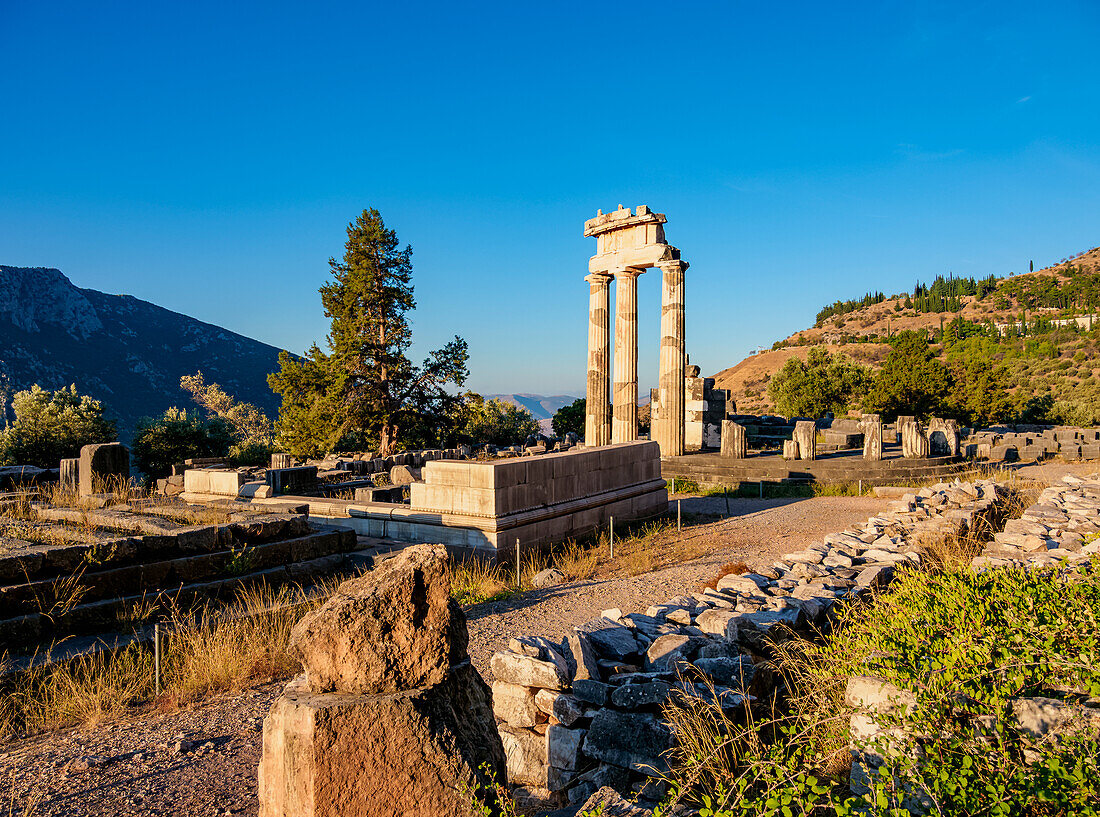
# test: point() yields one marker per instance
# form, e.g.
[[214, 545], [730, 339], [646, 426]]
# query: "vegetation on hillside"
[[824, 382], [494, 421], [364, 393]]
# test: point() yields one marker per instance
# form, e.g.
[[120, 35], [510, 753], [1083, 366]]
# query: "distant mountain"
[[541, 407], [124, 351]]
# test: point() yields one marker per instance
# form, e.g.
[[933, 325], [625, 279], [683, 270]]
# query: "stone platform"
[[710, 468], [484, 507]]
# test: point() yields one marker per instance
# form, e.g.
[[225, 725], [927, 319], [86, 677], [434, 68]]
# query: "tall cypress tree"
[[374, 393]]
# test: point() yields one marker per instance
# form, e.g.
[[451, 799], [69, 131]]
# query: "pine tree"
[[365, 390]]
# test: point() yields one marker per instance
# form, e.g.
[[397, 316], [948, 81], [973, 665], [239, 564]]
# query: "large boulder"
[[390, 716], [413, 752], [394, 628]]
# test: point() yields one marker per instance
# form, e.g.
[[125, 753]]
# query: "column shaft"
[[597, 420], [624, 420], [670, 431]]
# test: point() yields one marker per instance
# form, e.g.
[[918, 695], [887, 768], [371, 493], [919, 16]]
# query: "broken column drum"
[[872, 437], [805, 434], [627, 244], [735, 442]]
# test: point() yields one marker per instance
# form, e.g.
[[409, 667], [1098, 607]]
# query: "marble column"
[[669, 433], [624, 418], [597, 421]]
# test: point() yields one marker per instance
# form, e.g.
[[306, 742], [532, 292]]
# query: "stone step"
[[113, 640], [155, 575], [303, 559], [25, 561]]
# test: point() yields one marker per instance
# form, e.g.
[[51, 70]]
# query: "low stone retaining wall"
[[585, 713], [1063, 526]]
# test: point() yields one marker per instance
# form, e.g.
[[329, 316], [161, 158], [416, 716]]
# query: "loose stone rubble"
[[584, 713], [390, 716], [1062, 527]]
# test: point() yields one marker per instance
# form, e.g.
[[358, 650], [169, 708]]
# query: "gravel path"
[[202, 762]]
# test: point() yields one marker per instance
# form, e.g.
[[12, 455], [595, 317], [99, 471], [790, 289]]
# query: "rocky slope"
[[124, 351]]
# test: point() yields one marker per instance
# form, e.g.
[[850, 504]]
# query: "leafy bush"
[[824, 382], [570, 418], [52, 426], [178, 435], [965, 644], [495, 422]]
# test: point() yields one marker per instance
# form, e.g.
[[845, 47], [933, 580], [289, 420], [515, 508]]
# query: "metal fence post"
[[156, 655]]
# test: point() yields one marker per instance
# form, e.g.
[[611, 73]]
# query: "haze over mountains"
[[119, 349]]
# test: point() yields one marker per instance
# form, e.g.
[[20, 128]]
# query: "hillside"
[[119, 349], [540, 406], [1057, 296]]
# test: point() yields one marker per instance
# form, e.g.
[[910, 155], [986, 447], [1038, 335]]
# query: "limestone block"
[[718, 622], [393, 628], [514, 704], [734, 440], [562, 746], [410, 752], [525, 753], [630, 740], [527, 671], [790, 449], [101, 464], [562, 706], [405, 475], [70, 474]]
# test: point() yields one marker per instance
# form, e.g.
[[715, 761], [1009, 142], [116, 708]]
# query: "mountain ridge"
[[124, 351]]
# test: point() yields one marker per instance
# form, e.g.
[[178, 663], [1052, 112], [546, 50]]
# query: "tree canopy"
[[365, 391], [570, 418], [823, 382], [52, 426], [495, 422], [911, 380]]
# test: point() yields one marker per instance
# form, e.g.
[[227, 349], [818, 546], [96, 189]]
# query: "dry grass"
[[736, 568], [203, 652]]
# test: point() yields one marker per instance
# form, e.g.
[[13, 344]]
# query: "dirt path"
[[202, 762]]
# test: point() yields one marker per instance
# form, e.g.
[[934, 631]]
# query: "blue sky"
[[208, 156]]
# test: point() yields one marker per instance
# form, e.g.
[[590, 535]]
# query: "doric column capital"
[[673, 266], [598, 277], [627, 273]]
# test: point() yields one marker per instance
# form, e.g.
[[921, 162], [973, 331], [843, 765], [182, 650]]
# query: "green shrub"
[[964, 644], [50, 427], [178, 435]]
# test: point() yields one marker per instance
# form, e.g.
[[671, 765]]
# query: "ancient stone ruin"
[[389, 717], [626, 246]]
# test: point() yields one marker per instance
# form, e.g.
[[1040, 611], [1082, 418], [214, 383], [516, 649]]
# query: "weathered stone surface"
[[805, 434], [591, 691], [633, 696], [609, 803], [408, 752], [631, 740], [100, 465], [514, 704], [393, 628], [668, 649], [735, 673], [405, 475], [527, 671], [613, 640], [525, 750], [718, 622], [584, 657], [562, 747], [564, 707], [547, 578]]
